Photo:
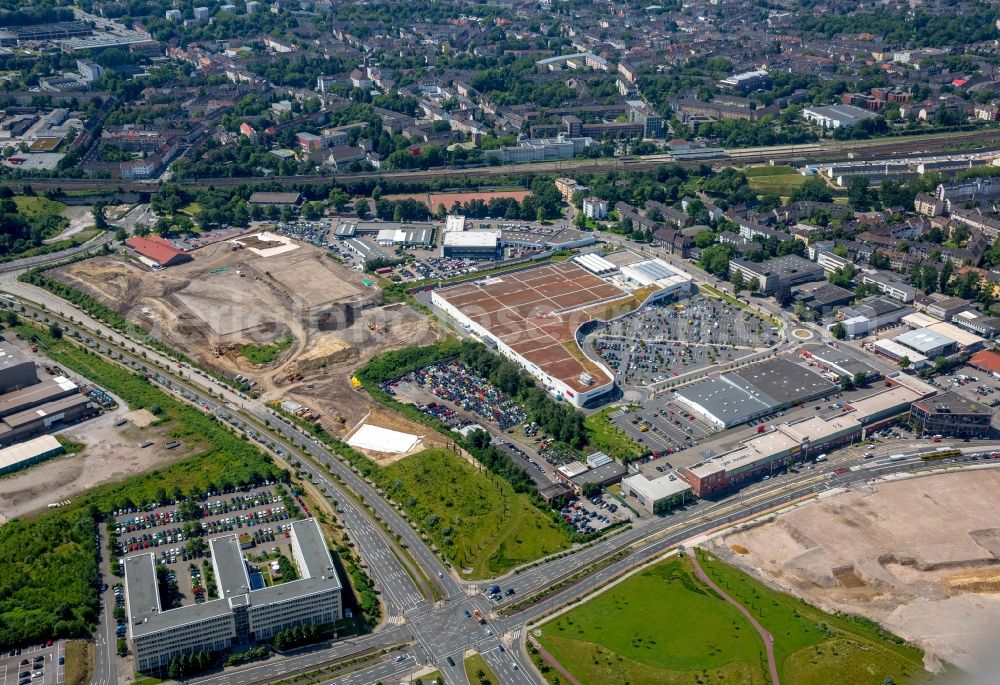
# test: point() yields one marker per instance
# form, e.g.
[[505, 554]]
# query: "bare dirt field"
[[226, 297], [320, 378], [921, 556], [111, 454]]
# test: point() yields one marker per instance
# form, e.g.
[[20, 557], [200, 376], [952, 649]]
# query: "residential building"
[[595, 208]]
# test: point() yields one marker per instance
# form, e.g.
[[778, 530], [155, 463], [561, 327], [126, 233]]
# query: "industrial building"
[[245, 612], [658, 495], [787, 443], [29, 405], [836, 116], [16, 370], [927, 342], [25, 454], [840, 362], [421, 235], [871, 314], [758, 390], [952, 416], [471, 245], [156, 252]]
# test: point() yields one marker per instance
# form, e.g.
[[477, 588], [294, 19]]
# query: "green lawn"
[[605, 436], [813, 647], [34, 205], [265, 354], [777, 180], [483, 527], [665, 626], [430, 679], [476, 664]]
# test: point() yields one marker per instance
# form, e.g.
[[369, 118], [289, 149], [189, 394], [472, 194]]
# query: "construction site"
[[316, 319], [921, 556]]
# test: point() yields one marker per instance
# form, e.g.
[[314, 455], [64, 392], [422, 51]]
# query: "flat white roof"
[[658, 488], [454, 222], [471, 238], [380, 439], [894, 348], [881, 401], [963, 337], [918, 320]]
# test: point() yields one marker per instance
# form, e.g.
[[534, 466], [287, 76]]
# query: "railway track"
[[823, 151]]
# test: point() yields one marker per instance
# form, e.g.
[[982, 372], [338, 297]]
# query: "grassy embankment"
[[663, 625]]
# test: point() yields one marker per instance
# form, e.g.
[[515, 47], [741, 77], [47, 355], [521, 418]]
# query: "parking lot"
[[658, 342], [973, 384], [592, 514], [34, 665], [455, 383], [662, 425]]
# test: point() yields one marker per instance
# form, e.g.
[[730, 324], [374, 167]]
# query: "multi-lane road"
[[430, 627]]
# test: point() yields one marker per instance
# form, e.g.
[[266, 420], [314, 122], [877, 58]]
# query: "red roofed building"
[[158, 250], [987, 360]]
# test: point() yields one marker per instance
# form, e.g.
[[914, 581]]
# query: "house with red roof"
[[156, 251]]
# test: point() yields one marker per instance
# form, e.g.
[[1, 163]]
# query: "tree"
[[858, 194], [704, 238], [100, 216], [904, 363], [738, 282], [878, 260], [860, 378], [944, 277], [838, 330], [55, 331]]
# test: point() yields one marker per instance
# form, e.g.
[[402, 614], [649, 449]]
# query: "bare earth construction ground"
[[208, 310], [920, 556], [111, 454]]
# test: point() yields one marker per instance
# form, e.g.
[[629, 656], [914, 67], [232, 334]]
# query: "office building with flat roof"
[[952, 416], [242, 614]]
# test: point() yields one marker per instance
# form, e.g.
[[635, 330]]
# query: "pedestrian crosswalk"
[[513, 634], [396, 620]]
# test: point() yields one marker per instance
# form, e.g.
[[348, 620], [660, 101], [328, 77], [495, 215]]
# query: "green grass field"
[[607, 437], [476, 665], [777, 180], [265, 354], [34, 205], [483, 527], [663, 626]]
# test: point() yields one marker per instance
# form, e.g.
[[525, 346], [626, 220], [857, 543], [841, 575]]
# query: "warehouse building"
[[952, 416], [599, 476], [421, 235], [25, 454], [840, 362], [896, 352], [156, 252], [927, 342], [275, 199], [471, 245], [658, 495], [758, 390], [243, 613], [45, 418], [16, 369]]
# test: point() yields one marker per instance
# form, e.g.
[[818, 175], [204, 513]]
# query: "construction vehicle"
[[355, 383], [478, 615]]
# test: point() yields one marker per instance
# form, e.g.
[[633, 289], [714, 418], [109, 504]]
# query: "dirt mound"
[[325, 349]]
